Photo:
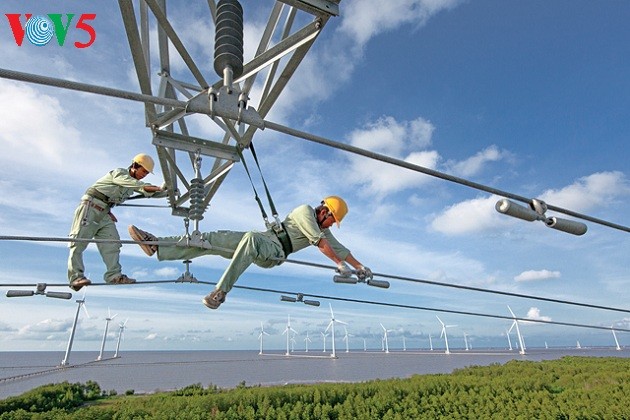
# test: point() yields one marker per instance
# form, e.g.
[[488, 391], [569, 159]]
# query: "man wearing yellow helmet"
[[93, 219], [304, 226]]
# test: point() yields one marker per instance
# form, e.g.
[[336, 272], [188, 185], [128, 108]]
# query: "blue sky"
[[527, 97]]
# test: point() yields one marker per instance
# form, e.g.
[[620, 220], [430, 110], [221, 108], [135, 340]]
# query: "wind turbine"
[[81, 303], [121, 330], [306, 341], [364, 345], [288, 331], [331, 325], [345, 338], [260, 337], [430, 342], [109, 318], [518, 332], [507, 334], [615, 336], [466, 341], [324, 337], [443, 333], [293, 342], [385, 338]]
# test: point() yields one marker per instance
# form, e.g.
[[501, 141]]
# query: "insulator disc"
[[228, 41]]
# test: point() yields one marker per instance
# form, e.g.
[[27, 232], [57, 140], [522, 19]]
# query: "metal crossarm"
[[291, 29]]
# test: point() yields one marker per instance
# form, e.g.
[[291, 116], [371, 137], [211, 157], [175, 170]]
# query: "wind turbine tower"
[[331, 326], [507, 334], [121, 331], [81, 303], [260, 337], [109, 318], [443, 333], [345, 338], [518, 332], [430, 342], [324, 335], [466, 341], [385, 339], [288, 330], [306, 341]]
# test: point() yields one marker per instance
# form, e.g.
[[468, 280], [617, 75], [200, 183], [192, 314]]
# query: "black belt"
[[94, 193], [285, 241]]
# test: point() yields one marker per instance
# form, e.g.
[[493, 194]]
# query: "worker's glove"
[[343, 269], [364, 273]]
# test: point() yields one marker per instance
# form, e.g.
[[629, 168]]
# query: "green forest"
[[568, 388]]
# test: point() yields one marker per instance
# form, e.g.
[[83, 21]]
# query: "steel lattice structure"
[[199, 90]]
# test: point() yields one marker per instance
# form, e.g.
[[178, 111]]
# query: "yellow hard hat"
[[337, 207], [145, 161]]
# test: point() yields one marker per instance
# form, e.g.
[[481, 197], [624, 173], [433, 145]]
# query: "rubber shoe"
[[77, 284], [140, 235], [214, 299], [122, 279]]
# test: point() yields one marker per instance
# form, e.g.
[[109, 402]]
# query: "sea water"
[[155, 371]]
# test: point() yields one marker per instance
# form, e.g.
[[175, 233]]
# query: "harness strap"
[[262, 209], [277, 228]]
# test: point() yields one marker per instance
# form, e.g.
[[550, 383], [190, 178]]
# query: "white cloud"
[[401, 140], [469, 216], [35, 136], [367, 18], [474, 164], [477, 215], [590, 191], [533, 275], [534, 313], [167, 272], [151, 336]]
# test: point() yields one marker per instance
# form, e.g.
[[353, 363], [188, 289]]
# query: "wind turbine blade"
[[328, 327], [341, 322], [85, 309], [438, 318], [332, 315], [513, 324], [115, 315], [382, 327], [510, 309]]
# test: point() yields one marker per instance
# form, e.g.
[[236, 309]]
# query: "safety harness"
[[277, 227]]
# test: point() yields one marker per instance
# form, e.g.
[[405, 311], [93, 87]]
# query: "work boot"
[[214, 299], [77, 284], [140, 235], [121, 279]]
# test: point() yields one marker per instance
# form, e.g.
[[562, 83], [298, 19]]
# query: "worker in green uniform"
[[93, 219], [304, 226]]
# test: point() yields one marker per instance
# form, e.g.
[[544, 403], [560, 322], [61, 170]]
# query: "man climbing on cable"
[[93, 219], [304, 226]]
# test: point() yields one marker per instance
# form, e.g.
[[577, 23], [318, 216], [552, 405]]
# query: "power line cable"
[[417, 168], [369, 302], [117, 93], [329, 267]]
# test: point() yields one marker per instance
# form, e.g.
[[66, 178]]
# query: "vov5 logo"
[[40, 29]]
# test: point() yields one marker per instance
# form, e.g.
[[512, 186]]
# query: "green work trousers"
[[91, 222], [244, 248]]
